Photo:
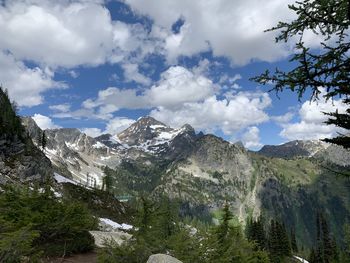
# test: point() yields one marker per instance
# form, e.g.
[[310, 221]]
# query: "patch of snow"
[[165, 135], [301, 259], [115, 225], [99, 145], [51, 151], [116, 139], [153, 127], [104, 158], [73, 146], [61, 179]]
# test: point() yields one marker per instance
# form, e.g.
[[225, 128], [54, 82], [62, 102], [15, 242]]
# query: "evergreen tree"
[[33, 222], [38, 139], [325, 250], [312, 257], [255, 232], [107, 181], [223, 228], [167, 219], [144, 219], [279, 244], [43, 141], [326, 68], [10, 123], [293, 241]]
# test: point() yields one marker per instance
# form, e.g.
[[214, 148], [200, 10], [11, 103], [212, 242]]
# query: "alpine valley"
[[292, 181]]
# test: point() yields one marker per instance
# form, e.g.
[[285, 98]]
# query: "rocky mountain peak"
[[148, 121], [143, 130]]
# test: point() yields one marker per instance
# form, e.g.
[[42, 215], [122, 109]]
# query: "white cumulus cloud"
[[44, 122], [311, 124], [251, 138], [241, 111], [25, 85], [229, 28]]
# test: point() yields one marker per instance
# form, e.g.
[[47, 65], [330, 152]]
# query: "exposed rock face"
[[318, 149], [145, 129], [161, 258], [18, 163], [213, 172], [21, 161], [81, 157]]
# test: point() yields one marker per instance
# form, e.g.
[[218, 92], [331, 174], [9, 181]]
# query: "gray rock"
[[161, 258], [101, 237]]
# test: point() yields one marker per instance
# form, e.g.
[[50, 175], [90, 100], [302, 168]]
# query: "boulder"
[[101, 237], [161, 258]]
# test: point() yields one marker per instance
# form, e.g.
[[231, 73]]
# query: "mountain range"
[[291, 181]]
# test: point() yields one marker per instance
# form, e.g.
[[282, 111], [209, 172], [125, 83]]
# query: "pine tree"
[[223, 228], [325, 249], [279, 244], [107, 181], [312, 257], [38, 139], [167, 218], [43, 141], [144, 220], [315, 69], [255, 232], [293, 241]]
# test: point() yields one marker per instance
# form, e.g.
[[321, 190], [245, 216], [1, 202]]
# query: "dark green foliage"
[[278, 242], [100, 203], [161, 231], [293, 241], [10, 123], [326, 68], [227, 244], [15, 245], [107, 181], [222, 230], [53, 226], [325, 250], [43, 141], [255, 232]]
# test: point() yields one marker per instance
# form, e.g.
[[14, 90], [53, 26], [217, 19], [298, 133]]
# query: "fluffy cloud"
[[117, 125], [63, 34], [44, 122], [113, 126], [92, 132], [60, 107], [251, 138], [214, 114], [131, 73], [229, 28], [57, 34], [283, 119], [181, 96], [25, 85], [177, 86], [311, 124]]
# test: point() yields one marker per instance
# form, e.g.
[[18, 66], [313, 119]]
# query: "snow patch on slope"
[[105, 222], [61, 179]]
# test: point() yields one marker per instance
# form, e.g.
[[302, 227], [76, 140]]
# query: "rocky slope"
[[20, 160], [317, 149], [203, 171]]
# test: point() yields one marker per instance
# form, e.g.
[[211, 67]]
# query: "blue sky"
[[99, 65]]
